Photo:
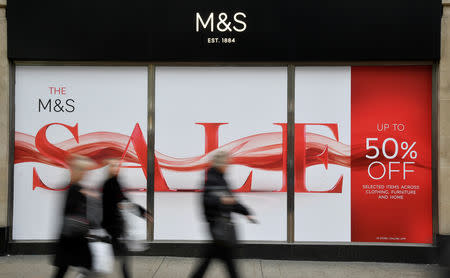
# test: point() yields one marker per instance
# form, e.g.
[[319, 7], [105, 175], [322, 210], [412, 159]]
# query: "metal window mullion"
[[12, 130], [290, 153], [150, 149]]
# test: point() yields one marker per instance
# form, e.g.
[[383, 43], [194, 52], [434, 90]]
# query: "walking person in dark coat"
[[72, 247], [113, 201], [218, 204]]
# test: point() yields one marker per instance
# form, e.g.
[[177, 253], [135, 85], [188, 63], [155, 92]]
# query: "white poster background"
[[250, 100], [323, 95], [111, 99]]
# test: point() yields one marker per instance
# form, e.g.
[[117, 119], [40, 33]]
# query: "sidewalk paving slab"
[[174, 267]]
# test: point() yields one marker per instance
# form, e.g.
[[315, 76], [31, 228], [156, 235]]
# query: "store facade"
[[328, 110]]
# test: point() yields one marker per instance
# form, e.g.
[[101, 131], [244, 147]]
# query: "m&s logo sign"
[[221, 22]]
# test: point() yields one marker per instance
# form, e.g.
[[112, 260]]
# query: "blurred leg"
[[201, 269], [81, 275], [61, 271], [229, 262], [85, 273], [227, 258], [125, 269], [121, 251], [211, 252]]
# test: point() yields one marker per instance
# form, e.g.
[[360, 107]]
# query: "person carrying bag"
[[72, 247], [113, 202]]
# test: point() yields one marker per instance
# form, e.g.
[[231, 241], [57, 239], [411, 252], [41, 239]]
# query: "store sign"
[[235, 30], [221, 23]]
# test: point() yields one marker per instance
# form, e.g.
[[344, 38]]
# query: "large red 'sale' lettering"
[[52, 152], [212, 143], [140, 146], [300, 158]]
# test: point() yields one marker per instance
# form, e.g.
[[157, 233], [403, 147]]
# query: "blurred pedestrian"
[[218, 204], [113, 202], [72, 247]]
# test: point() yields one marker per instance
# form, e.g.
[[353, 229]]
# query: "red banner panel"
[[391, 154]]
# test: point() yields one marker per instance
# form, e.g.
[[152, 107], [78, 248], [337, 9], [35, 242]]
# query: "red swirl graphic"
[[261, 151]]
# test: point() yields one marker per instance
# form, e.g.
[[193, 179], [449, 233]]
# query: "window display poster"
[[98, 112]]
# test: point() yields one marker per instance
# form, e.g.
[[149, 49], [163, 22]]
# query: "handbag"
[[132, 236], [101, 251], [75, 226], [223, 231]]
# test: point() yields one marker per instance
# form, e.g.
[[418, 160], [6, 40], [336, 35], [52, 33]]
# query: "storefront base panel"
[[444, 249], [273, 251], [3, 240]]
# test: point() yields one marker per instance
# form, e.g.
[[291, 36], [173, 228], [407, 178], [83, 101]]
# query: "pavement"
[[175, 267]]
